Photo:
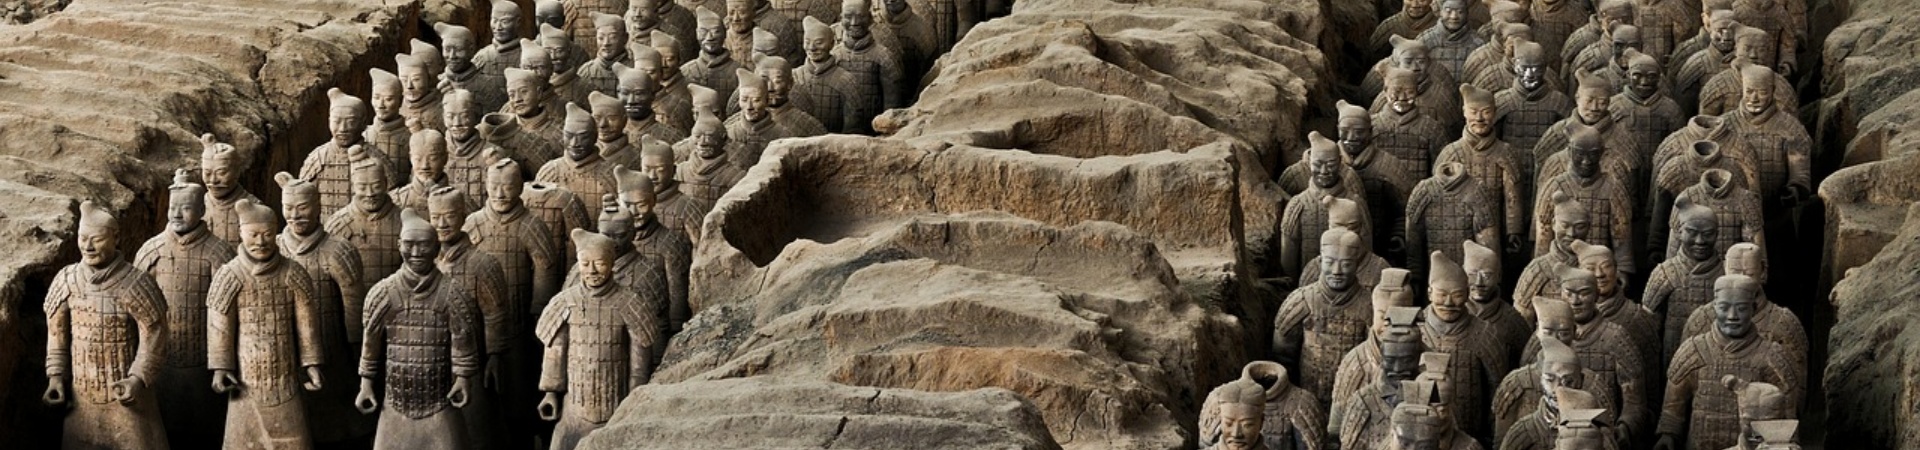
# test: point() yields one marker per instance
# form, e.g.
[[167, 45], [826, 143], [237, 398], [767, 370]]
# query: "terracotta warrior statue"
[[1684, 282], [1477, 361], [674, 103], [1702, 36], [1532, 396], [427, 151], [877, 70], [707, 174], [528, 128], [666, 248], [492, 61], [715, 64], [1486, 301], [1781, 145], [582, 170], [460, 258], [599, 338], [371, 222], [821, 87], [640, 273], [1592, 33], [743, 17], [562, 53], [1355, 139], [1455, 38], [1431, 87], [1686, 172], [1530, 104], [1304, 216], [920, 43], [1292, 417], [1319, 322], [1723, 91], [1360, 366], [1624, 161], [666, 16], [468, 155], [779, 75], [339, 292], [1237, 419], [507, 230], [1365, 419], [1715, 53], [456, 50], [1777, 435], [609, 118], [1643, 104], [1736, 209], [636, 92], [754, 127], [1491, 67], [1405, 127], [1554, 21], [1641, 327], [220, 168], [181, 260], [1447, 209], [1774, 322], [1605, 349], [263, 333], [420, 86], [1503, 173], [1499, 13], [1343, 213], [106, 338], [1700, 411], [1664, 24], [389, 132], [559, 210], [1608, 54], [1759, 403], [1541, 277], [424, 338], [1385, 179], [579, 19], [1426, 423], [1582, 429], [610, 48], [1609, 203], [1414, 17]]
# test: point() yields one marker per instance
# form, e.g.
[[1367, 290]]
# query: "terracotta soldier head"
[[1757, 401], [642, 16], [1581, 429], [1580, 291], [1748, 259], [1453, 14], [1625, 37], [346, 117], [705, 100], [1393, 291], [1612, 13], [386, 93], [1400, 346], [1416, 9], [1584, 151], [1592, 100], [1512, 34], [558, 46], [656, 161], [504, 185], [1735, 299], [1417, 423], [549, 12], [526, 89], [427, 151], [615, 222], [1323, 161], [779, 76], [710, 31], [447, 210], [1555, 319], [1643, 74], [636, 194], [578, 133], [300, 203], [765, 43], [1750, 45], [597, 253], [1699, 230], [709, 136], [1411, 54], [1403, 89], [220, 166], [98, 236], [1340, 255], [186, 203], [856, 18], [1529, 65], [1343, 213], [369, 180], [1446, 288], [456, 46], [1476, 105], [753, 95], [419, 243], [1723, 28], [1569, 221], [670, 57], [258, 228], [636, 88], [1559, 369], [741, 15], [818, 40], [1243, 405], [457, 110], [1433, 368], [504, 21], [609, 116], [416, 81], [1777, 435], [1269, 375], [1597, 260], [1355, 127], [1482, 267], [610, 36], [1756, 90]]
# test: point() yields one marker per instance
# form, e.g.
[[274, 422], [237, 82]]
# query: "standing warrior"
[[1405, 126], [1738, 209], [674, 103], [1532, 396], [220, 167], [820, 85], [583, 170], [562, 53], [1641, 327], [1774, 322], [1485, 300], [1239, 419], [419, 86], [1292, 418], [1412, 55], [1414, 17], [460, 259], [1781, 145], [1306, 214], [1530, 105], [644, 17], [1541, 277], [779, 75], [456, 49], [1477, 363], [1360, 366], [328, 166], [468, 155], [181, 261], [492, 61], [1604, 194], [1621, 154], [424, 334], [1494, 165], [707, 174], [668, 248], [610, 130], [1603, 348], [559, 210], [339, 290], [527, 128], [1684, 282], [610, 49], [714, 66], [427, 151], [506, 230], [371, 224], [1365, 419], [753, 128], [600, 338], [1701, 407], [1355, 133], [107, 336], [636, 93], [263, 328], [389, 132], [1446, 210], [1582, 429], [879, 78], [1644, 106], [1425, 421], [1319, 322], [1454, 39]]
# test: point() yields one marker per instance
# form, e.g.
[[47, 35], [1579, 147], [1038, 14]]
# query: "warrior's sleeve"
[[349, 275], [552, 331], [490, 294], [222, 323], [1633, 382], [149, 310], [1288, 331], [1350, 376], [1509, 403], [1681, 384], [643, 337], [1416, 226], [467, 329], [1290, 239], [1799, 149], [1622, 228], [373, 343], [547, 262], [306, 309], [59, 324]]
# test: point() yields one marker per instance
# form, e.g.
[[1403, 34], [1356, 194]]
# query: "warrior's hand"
[[550, 407], [56, 394], [314, 382], [127, 389], [1666, 443], [491, 378], [458, 395], [364, 401], [1513, 244], [224, 381]]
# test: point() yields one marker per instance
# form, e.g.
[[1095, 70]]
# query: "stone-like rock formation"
[[1874, 363], [764, 413]]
